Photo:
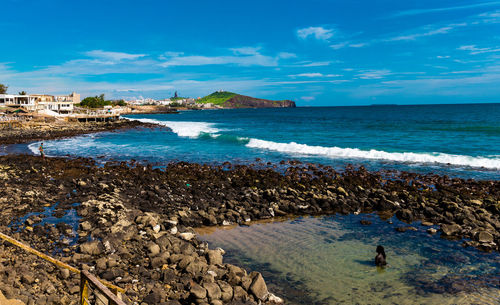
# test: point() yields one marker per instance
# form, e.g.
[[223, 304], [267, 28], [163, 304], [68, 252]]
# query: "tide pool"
[[329, 260]]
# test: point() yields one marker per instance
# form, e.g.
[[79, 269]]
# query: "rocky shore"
[[132, 224], [41, 130]]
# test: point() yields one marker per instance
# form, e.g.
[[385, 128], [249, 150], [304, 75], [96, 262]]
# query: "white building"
[[14, 100], [36, 102]]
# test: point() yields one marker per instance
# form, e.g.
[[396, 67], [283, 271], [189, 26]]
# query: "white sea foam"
[[185, 129], [34, 148], [337, 152]]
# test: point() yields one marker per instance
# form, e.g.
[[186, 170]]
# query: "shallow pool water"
[[329, 260]]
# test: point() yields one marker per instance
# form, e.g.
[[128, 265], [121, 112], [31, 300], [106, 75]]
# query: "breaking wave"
[[337, 152], [205, 130], [185, 129]]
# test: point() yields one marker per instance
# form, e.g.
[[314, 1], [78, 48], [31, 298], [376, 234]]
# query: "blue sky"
[[315, 52]]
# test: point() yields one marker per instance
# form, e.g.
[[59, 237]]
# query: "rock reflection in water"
[[329, 260]]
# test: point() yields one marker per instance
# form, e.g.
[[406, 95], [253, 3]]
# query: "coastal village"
[[23, 107]]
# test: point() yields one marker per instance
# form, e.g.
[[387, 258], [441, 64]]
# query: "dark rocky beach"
[[132, 224], [41, 130]]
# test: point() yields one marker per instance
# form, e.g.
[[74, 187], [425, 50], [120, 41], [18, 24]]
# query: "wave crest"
[[185, 129], [337, 152]]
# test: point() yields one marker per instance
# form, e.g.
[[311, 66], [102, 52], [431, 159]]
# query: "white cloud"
[[339, 45], [374, 74], [113, 56], [475, 50], [314, 74], [358, 45], [308, 98], [286, 55], [244, 56], [246, 50], [428, 31], [319, 33], [485, 84], [443, 9], [489, 17], [345, 44]]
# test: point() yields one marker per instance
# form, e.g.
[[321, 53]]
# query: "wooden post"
[[87, 278]]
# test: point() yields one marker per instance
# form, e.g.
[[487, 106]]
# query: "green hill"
[[232, 100], [216, 98]]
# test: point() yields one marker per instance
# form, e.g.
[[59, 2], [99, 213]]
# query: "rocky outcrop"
[[242, 101], [135, 222], [36, 131]]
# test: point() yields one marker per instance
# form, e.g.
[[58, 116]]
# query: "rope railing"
[[90, 286]]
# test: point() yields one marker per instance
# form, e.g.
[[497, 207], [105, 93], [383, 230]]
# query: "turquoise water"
[[458, 140], [329, 260]]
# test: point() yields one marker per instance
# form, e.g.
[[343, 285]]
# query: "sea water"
[[457, 140], [330, 260]]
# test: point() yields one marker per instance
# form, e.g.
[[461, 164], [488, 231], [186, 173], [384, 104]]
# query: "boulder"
[[187, 235], [450, 230], [431, 231], [227, 291], [213, 291], [259, 287], [214, 257], [153, 250], [485, 237], [239, 293], [197, 291], [92, 247]]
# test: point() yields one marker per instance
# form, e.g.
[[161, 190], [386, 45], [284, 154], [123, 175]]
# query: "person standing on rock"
[[41, 150]]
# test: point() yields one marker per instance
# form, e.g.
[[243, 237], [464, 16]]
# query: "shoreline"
[[156, 210], [36, 131]]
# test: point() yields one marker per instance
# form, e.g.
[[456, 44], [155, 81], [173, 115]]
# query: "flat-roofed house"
[[28, 102], [62, 104]]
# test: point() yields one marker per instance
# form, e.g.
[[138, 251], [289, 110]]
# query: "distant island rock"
[[232, 100]]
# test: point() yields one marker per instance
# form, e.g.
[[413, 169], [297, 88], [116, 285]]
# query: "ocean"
[[328, 259], [455, 140]]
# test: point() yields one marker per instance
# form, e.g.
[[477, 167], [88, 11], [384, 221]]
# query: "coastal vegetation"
[[177, 98], [3, 89], [216, 98], [99, 101], [228, 99]]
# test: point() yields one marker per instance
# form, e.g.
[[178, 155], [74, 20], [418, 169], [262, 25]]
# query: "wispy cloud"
[[314, 74], [349, 44], [113, 56], [455, 84], [489, 17], [243, 56], [373, 74], [307, 98], [443, 9], [317, 32], [430, 30], [473, 49], [315, 63], [427, 31]]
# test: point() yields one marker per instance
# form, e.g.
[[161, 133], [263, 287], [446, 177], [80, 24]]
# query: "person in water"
[[41, 150], [380, 258]]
